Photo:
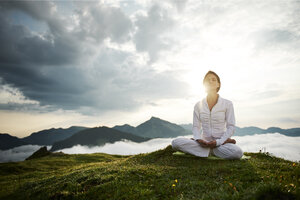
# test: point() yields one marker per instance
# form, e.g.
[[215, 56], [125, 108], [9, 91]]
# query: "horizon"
[[120, 62], [49, 128]]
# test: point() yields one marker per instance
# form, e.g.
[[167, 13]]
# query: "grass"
[[156, 175]]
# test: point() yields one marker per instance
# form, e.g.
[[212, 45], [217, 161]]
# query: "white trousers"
[[227, 151]]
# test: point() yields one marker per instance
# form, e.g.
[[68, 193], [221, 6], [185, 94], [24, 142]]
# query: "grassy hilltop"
[[157, 175]]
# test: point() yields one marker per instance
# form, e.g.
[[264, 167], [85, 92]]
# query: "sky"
[[273, 143], [96, 63]]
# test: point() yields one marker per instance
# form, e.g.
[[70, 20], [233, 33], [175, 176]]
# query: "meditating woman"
[[211, 114]]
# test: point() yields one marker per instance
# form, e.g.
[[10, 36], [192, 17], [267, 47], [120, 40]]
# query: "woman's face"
[[211, 83]]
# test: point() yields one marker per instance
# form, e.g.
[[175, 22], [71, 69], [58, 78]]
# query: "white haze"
[[277, 144], [18, 153]]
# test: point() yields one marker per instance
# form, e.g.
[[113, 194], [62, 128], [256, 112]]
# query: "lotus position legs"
[[228, 150]]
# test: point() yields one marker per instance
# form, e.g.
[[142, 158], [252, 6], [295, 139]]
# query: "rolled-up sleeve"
[[197, 128], [230, 124]]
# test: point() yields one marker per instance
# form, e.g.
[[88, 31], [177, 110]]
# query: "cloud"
[[98, 22], [288, 120], [71, 67], [276, 39], [152, 29], [18, 153], [41, 10], [95, 57], [121, 147], [21, 46], [274, 143], [180, 5], [277, 144]]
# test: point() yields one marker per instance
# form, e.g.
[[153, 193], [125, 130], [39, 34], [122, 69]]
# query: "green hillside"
[[157, 175]]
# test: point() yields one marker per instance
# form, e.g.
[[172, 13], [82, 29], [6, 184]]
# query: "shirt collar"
[[219, 99]]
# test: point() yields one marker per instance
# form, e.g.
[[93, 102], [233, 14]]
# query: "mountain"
[[188, 127], [294, 132], [156, 175], [155, 128], [126, 128], [251, 130], [50, 136], [158, 128], [96, 137], [7, 141], [39, 153]]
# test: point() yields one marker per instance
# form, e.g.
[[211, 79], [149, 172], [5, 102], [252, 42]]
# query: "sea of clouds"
[[18, 153], [277, 144]]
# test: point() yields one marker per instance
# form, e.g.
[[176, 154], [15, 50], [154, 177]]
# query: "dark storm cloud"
[[72, 69], [45, 11], [20, 46], [41, 10]]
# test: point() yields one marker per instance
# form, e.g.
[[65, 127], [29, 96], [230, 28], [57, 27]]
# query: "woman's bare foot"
[[229, 140]]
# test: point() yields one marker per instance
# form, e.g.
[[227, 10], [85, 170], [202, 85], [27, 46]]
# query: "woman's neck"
[[212, 96]]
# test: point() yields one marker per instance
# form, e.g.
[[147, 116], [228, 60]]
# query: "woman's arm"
[[230, 125], [197, 128]]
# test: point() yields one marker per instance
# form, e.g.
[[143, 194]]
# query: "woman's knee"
[[175, 143], [229, 151], [238, 153], [179, 142]]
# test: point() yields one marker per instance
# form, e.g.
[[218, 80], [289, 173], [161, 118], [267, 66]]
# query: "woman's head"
[[211, 81]]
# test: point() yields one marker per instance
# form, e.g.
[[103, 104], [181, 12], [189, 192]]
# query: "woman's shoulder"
[[198, 105], [199, 102], [227, 101]]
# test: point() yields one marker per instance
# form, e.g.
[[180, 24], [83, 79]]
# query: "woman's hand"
[[229, 140], [202, 143], [212, 144]]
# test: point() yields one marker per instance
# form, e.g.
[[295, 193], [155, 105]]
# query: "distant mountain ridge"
[[50, 136], [96, 137], [152, 128], [155, 128], [44, 137], [251, 130], [7, 141]]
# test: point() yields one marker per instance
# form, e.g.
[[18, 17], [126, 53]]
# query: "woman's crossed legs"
[[190, 146]]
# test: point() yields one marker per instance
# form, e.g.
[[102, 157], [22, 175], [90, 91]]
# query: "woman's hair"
[[218, 78]]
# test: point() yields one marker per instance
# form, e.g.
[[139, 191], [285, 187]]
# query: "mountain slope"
[[96, 137], [126, 128], [7, 141], [156, 175], [49, 136], [155, 128], [251, 130]]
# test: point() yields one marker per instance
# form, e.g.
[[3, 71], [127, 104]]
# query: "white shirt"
[[210, 125]]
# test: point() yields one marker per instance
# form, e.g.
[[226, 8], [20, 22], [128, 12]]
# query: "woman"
[[209, 119]]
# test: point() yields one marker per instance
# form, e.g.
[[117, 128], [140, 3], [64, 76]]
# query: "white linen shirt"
[[210, 125]]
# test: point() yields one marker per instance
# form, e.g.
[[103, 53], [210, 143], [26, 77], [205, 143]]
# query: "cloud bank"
[[18, 153], [278, 145], [275, 143]]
